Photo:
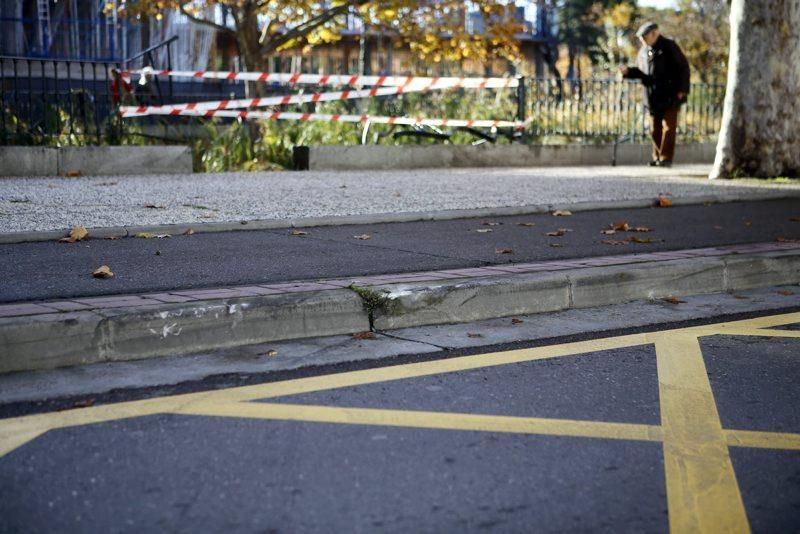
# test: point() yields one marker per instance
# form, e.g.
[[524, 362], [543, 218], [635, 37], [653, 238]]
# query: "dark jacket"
[[664, 72]]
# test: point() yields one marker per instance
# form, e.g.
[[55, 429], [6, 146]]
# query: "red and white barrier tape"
[[327, 117], [175, 109], [339, 79]]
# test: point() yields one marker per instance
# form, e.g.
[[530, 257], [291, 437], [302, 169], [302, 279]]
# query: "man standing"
[[664, 71]]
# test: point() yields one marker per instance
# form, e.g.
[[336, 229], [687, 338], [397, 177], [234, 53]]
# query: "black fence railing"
[[47, 101]]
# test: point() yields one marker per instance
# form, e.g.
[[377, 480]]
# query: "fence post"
[[521, 98]]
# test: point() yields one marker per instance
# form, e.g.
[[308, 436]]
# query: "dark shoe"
[[665, 163], [654, 163]]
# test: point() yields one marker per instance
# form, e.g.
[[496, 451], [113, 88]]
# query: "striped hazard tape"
[[175, 109], [327, 117], [338, 79]]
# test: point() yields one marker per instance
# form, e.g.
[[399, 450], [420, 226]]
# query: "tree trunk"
[[760, 134]]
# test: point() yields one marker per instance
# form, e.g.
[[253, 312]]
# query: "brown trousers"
[[665, 125]]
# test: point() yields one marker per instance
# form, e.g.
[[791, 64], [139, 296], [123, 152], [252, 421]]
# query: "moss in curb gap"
[[371, 299]]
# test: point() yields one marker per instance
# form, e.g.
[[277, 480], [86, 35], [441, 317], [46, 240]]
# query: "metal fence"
[[46, 101]]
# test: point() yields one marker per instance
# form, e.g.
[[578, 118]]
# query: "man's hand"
[[624, 70]]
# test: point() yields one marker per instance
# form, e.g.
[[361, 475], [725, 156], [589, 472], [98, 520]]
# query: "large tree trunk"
[[760, 134]]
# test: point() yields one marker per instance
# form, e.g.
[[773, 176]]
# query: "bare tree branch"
[[205, 22]]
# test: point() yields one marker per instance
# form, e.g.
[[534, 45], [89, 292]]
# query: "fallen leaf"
[[557, 233], [717, 227], [608, 232], [162, 236], [145, 235], [362, 237], [750, 223], [504, 251], [474, 334], [641, 229], [83, 403], [516, 321], [640, 240], [103, 272], [154, 207], [364, 335], [664, 201], [490, 223], [741, 297], [526, 224], [484, 230], [299, 232], [78, 233], [613, 242], [72, 174], [271, 353], [673, 300], [786, 293], [786, 240], [189, 231], [620, 226], [562, 213]]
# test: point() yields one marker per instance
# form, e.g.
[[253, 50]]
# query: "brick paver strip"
[[189, 295]]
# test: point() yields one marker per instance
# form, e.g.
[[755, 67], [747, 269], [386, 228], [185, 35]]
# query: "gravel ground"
[[57, 203]]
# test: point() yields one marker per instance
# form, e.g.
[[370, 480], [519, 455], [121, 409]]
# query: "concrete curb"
[[63, 339], [378, 218]]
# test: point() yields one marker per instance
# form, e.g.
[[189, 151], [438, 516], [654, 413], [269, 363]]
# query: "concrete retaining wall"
[[366, 157], [94, 160]]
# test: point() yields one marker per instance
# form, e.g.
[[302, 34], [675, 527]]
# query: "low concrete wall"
[[94, 160], [365, 157]]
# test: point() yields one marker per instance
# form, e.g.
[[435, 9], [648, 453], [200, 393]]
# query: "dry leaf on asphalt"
[[188, 231], [526, 224], [490, 223], [620, 226], [271, 353], [145, 235], [750, 223], [641, 229], [516, 321], [484, 230], [608, 232], [103, 272], [72, 174], [504, 251], [364, 335], [85, 403], [299, 232], [786, 293], [557, 233], [562, 213], [78, 233], [362, 237], [741, 297], [474, 334], [717, 227], [664, 201], [640, 240], [673, 300]]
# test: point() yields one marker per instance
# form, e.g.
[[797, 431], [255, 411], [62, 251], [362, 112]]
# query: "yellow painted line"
[[427, 420], [763, 322], [762, 332], [762, 440], [702, 492]]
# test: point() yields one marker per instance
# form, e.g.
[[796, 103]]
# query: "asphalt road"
[[498, 440], [46, 270]]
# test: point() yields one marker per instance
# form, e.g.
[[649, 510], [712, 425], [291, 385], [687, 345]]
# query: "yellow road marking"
[[702, 492], [701, 484], [762, 440], [430, 420]]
